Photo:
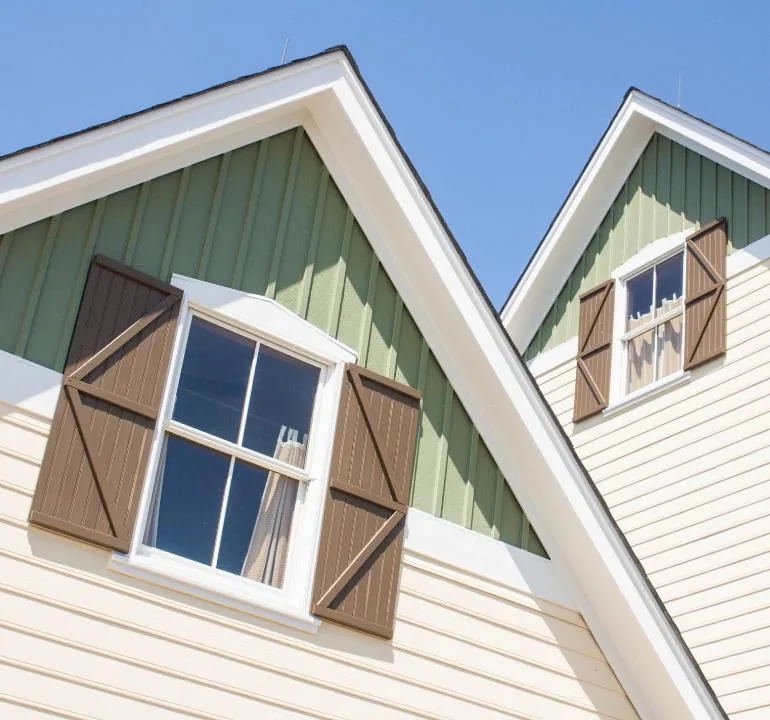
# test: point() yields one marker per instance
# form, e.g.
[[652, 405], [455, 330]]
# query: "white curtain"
[[269, 547], [670, 341], [639, 354], [641, 348]]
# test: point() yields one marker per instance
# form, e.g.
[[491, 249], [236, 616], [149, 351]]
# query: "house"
[[266, 449], [644, 317]]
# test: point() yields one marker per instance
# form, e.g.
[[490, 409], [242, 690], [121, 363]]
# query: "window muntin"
[[653, 323], [225, 491]]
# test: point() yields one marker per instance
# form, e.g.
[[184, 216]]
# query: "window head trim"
[[263, 320]]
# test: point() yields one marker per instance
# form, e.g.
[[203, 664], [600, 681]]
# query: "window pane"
[[187, 499], [281, 404], [212, 384], [640, 361], [669, 347], [669, 284], [639, 291], [246, 489]]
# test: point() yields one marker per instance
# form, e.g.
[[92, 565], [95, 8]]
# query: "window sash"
[[623, 382], [226, 446], [235, 450]]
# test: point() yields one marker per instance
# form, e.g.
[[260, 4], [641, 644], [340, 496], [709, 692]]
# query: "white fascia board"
[[639, 117], [462, 331]]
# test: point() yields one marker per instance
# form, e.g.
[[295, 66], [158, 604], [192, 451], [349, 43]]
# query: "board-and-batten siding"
[[669, 189], [687, 476], [80, 641], [268, 219]]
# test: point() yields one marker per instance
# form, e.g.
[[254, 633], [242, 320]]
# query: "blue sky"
[[498, 104]]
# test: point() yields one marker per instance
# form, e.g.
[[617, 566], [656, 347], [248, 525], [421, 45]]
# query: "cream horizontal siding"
[[81, 641], [687, 476]]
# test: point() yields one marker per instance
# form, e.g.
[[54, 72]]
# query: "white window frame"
[[651, 255], [264, 320]]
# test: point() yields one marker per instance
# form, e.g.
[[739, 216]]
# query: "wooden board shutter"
[[594, 359], [704, 295], [97, 452], [359, 555]]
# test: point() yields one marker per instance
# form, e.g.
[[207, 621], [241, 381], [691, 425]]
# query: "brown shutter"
[[594, 359], [704, 295], [359, 555], [96, 457]]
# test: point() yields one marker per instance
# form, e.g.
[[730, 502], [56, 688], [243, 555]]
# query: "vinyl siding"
[[266, 218], [669, 189], [687, 476], [81, 641]]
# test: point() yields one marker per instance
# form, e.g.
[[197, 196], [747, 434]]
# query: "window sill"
[[166, 574], [645, 393]]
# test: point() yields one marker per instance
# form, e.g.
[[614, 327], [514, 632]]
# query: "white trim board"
[[28, 386], [449, 308], [746, 258], [456, 547], [738, 262], [637, 119], [551, 359]]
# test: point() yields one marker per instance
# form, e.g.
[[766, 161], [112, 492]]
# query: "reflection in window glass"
[[281, 404], [668, 285], [639, 294], [188, 495], [212, 384]]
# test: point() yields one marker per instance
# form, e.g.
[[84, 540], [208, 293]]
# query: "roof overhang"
[[638, 117], [328, 97]]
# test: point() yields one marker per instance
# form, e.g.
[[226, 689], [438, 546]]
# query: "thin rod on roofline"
[[285, 47]]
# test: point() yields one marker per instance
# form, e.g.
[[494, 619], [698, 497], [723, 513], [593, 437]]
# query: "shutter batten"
[[705, 300], [359, 556], [594, 359], [98, 448]]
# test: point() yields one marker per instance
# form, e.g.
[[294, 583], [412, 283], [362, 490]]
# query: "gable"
[[265, 218], [670, 188]]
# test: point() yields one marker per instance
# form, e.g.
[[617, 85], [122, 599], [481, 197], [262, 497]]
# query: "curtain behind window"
[[269, 547]]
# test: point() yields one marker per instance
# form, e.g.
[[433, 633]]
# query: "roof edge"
[[342, 49], [637, 111]]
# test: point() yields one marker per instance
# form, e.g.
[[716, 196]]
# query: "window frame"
[[653, 254], [265, 321]]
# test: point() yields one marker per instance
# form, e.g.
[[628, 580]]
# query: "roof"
[[327, 95], [639, 116]]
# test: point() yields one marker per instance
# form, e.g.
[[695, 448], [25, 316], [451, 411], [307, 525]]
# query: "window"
[[661, 314], [653, 323], [242, 449], [238, 436]]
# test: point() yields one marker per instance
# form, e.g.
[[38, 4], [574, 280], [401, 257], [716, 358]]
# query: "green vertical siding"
[[265, 218], [669, 189]]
